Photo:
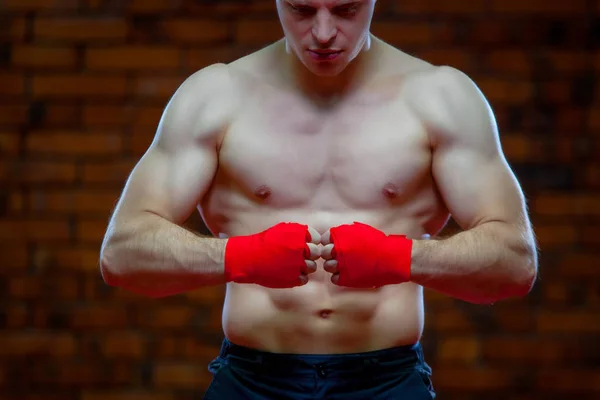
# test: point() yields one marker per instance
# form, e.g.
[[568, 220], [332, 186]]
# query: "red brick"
[[514, 319], [72, 201], [556, 235], [591, 176], [450, 321], [568, 381], [458, 350], [71, 374], [514, 62], [148, 116], [37, 344], [80, 29], [568, 322], [79, 86], [91, 230], [43, 57], [32, 288], [133, 58], [13, 113], [141, 138], [580, 265], [167, 347], [567, 61], [567, 205], [441, 7], [61, 115], [71, 258], [40, 5], [590, 234], [228, 9], [166, 317], [149, 6], [556, 293], [534, 351], [9, 143], [180, 375], [539, 7], [34, 230], [195, 31], [126, 395], [31, 171], [108, 172], [163, 87], [556, 92], [12, 84], [194, 349], [503, 91], [89, 317], [594, 117], [74, 143], [15, 31], [16, 204], [487, 31], [406, 34], [473, 378], [15, 258], [16, 316], [123, 345], [107, 115], [257, 32], [100, 316], [207, 295]]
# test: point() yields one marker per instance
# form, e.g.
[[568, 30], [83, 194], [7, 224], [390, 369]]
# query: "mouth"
[[324, 55]]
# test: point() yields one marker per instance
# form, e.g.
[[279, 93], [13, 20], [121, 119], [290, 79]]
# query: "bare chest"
[[360, 155]]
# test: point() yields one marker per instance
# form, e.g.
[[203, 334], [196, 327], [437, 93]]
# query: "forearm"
[[157, 258], [481, 265]]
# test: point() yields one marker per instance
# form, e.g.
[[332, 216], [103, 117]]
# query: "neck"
[[328, 89]]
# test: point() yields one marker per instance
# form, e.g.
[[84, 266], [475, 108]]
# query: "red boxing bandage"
[[274, 258], [368, 258]]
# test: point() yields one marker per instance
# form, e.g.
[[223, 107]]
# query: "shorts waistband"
[[399, 358]]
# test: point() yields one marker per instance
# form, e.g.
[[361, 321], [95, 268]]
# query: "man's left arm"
[[495, 255]]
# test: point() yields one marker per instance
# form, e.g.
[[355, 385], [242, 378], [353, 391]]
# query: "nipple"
[[262, 192], [390, 190]]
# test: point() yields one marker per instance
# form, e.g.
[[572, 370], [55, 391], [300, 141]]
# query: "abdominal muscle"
[[320, 317]]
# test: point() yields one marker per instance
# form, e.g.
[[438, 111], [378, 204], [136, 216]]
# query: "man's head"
[[326, 35]]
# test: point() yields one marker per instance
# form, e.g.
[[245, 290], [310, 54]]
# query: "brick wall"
[[81, 92]]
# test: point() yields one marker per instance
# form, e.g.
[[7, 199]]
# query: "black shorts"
[[396, 373]]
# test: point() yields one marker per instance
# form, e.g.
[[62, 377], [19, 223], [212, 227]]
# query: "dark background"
[[82, 87]]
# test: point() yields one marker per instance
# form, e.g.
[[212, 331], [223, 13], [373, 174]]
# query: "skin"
[[374, 136]]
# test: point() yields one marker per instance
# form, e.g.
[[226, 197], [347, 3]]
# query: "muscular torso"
[[367, 158]]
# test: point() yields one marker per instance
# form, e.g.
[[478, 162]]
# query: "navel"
[[262, 192], [325, 313]]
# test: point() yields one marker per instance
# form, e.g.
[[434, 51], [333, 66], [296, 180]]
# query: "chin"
[[324, 69]]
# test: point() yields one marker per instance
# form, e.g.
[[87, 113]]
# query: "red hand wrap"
[[369, 258], [274, 258]]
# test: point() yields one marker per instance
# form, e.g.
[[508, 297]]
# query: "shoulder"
[[201, 105], [450, 103], [202, 87]]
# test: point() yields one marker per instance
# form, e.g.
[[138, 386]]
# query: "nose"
[[324, 29]]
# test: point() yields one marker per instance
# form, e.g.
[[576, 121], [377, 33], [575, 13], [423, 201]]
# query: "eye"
[[302, 10], [347, 10]]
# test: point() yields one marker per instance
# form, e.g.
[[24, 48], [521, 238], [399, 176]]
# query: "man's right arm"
[[146, 250]]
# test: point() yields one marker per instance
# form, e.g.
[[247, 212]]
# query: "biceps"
[[478, 187], [170, 185]]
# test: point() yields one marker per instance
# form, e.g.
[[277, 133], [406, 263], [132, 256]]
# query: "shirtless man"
[[322, 164]]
